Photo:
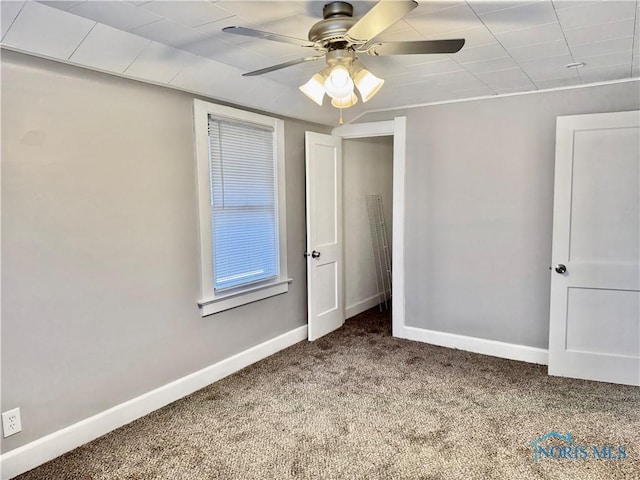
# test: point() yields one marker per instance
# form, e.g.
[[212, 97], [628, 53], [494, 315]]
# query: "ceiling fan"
[[339, 38]]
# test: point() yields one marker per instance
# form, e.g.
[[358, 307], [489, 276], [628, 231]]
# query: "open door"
[[324, 234], [595, 285]]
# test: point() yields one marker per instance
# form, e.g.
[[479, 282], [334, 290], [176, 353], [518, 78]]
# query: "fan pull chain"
[[340, 122]]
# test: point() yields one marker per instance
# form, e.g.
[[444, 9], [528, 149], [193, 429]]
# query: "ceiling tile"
[[636, 35], [59, 33], [547, 68], [595, 13], [602, 48], [398, 79], [541, 50], [410, 60], [600, 32], [121, 15], [456, 80], [601, 74], [537, 13], [159, 63], [519, 89], [522, 37], [559, 82], [482, 7], [490, 65], [474, 37], [436, 68], [215, 28], [386, 65], [480, 91], [477, 54], [261, 11], [108, 48], [189, 13], [61, 4], [8, 13], [233, 55], [620, 58], [562, 4], [443, 21], [216, 80], [509, 78], [434, 5], [269, 89], [170, 33]]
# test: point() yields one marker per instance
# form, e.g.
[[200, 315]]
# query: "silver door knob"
[[315, 254], [560, 268]]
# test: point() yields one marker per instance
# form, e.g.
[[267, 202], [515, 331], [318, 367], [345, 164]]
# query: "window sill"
[[221, 303]]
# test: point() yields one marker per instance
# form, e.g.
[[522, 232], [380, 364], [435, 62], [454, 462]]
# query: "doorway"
[[315, 145], [368, 223]]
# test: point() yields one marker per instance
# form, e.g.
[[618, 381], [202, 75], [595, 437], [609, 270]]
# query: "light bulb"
[[338, 84]]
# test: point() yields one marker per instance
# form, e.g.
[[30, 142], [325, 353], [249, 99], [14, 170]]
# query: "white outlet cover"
[[11, 423]]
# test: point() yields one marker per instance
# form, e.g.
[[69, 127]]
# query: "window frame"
[[211, 302]]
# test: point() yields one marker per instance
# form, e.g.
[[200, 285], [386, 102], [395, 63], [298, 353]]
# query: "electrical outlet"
[[11, 423]]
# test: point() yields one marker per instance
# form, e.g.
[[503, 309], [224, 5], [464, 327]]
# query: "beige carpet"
[[359, 404]]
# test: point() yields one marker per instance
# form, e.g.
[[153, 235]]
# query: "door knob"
[[560, 268], [315, 254]]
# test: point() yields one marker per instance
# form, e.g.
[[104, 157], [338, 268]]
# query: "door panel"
[[324, 234], [595, 304], [604, 196], [589, 326]]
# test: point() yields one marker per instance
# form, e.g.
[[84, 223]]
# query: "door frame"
[[397, 128]]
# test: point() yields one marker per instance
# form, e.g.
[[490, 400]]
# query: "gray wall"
[[479, 204], [368, 170], [99, 245]]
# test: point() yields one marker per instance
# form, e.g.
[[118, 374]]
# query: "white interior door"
[[595, 286], [324, 234]]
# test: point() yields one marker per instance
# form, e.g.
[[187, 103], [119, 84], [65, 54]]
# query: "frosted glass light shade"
[[345, 102], [314, 88], [368, 84], [339, 84]]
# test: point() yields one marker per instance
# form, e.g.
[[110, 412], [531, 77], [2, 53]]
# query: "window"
[[240, 164]]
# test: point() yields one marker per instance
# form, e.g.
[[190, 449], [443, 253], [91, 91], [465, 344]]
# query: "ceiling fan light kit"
[[314, 88], [339, 37]]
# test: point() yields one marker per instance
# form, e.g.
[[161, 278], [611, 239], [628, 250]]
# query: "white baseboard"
[[494, 348], [363, 305], [36, 453]]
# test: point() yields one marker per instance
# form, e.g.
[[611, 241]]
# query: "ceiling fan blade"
[[418, 47], [250, 32], [273, 68], [384, 14]]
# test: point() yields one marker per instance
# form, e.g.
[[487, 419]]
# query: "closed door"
[[595, 285], [324, 234]]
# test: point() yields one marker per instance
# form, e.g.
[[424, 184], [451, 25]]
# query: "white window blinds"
[[244, 210]]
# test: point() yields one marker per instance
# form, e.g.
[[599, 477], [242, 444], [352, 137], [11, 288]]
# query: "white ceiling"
[[511, 46]]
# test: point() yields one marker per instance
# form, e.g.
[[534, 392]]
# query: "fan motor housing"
[[338, 19]]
